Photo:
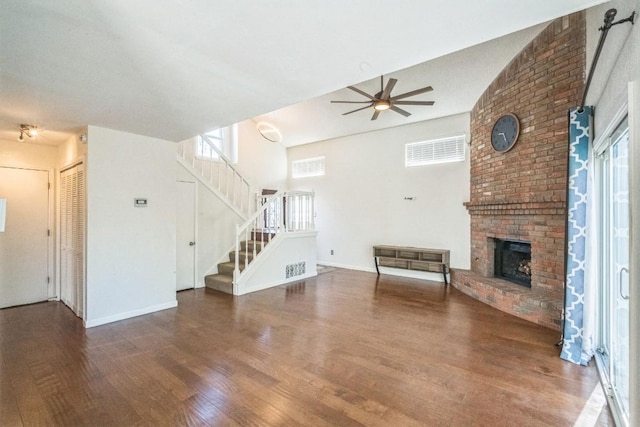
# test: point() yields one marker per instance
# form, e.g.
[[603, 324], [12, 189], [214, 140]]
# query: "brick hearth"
[[521, 194]]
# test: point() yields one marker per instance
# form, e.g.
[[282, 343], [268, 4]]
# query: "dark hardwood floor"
[[342, 349]]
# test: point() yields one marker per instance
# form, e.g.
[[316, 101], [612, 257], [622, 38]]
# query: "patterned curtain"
[[573, 349]]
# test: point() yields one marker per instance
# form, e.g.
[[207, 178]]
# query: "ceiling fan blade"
[[350, 102], [413, 102], [375, 115], [400, 110], [387, 90], [363, 93], [359, 109], [412, 93]]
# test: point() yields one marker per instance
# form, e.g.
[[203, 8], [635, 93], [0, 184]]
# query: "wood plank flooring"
[[344, 349]]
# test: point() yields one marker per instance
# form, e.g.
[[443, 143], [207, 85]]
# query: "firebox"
[[512, 261]]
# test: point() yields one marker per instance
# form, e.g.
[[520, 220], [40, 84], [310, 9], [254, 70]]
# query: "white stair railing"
[[300, 210], [282, 212], [210, 165]]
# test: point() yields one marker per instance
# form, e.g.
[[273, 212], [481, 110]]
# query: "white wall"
[[27, 155], [619, 64], [131, 252], [261, 162], [71, 151], [360, 202]]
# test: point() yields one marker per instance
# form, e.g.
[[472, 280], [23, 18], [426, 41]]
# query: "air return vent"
[[297, 269]]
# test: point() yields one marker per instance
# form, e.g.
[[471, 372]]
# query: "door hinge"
[[49, 185], [48, 279], [49, 233]]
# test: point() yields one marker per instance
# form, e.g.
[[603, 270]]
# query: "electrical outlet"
[[331, 251]]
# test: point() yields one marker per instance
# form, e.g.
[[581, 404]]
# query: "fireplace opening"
[[512, 261]]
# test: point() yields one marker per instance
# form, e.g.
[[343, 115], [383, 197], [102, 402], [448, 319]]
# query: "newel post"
[[236, 270]]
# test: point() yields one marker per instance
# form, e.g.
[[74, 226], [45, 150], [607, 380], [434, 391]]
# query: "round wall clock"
[[505, 133]]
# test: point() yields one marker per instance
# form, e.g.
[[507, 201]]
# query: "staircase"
[[223, 280], [284, 221]]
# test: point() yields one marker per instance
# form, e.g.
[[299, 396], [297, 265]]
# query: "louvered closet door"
[[72, 238]]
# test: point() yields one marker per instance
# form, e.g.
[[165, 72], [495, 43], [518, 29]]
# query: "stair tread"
[[219, 282], [228, 267], [219, 277]]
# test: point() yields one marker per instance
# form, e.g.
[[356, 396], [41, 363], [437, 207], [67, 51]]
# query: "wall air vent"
[[297, 269]]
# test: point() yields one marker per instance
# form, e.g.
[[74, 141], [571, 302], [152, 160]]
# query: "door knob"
[[192, 243]]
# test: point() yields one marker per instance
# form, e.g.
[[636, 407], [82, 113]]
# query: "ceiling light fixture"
[[29, 130], [381, 105], [269, 132]]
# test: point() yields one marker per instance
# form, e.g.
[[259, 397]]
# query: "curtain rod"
[[608, 23]]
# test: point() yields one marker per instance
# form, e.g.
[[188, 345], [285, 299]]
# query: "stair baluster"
[[217, 173]]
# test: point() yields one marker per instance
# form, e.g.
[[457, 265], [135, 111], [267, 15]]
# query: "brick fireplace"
[[520, 195]]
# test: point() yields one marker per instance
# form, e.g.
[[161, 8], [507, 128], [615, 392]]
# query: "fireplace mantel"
[[516, 208]]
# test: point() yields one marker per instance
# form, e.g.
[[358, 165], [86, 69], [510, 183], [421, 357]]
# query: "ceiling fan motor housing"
[[383, 100]]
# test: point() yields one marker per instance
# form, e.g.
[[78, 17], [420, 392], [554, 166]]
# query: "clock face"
[[505, 133]]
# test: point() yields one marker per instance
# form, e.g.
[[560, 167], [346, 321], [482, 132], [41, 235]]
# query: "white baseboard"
[[345, 266], [400, 272], [129, 314]]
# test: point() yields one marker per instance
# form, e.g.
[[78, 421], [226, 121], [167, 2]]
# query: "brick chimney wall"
[[521, 194]]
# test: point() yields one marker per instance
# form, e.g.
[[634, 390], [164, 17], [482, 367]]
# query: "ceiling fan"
[[383, 100]]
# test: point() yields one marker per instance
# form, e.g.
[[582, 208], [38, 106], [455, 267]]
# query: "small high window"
[[307, 167], [443, 150], [224, 139]]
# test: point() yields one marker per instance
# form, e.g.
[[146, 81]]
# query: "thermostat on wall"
[[140, 203]]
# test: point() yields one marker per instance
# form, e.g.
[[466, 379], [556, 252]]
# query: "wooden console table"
[[408, 258]]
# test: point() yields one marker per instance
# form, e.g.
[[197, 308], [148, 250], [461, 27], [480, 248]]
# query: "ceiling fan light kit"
[[381, 105], [383, 100]]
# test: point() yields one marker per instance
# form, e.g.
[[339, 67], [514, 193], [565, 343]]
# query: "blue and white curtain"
[[577, 345]]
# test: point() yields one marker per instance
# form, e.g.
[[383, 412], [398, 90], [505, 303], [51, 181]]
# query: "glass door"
[[614, 270]]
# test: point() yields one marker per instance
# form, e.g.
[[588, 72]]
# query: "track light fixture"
[[30, 131]]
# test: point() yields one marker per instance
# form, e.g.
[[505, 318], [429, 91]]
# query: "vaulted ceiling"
[[172, 69]]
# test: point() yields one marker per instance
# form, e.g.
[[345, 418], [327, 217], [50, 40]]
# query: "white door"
[[186, 235], [72, 242], [614, 335], [24, 254]]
